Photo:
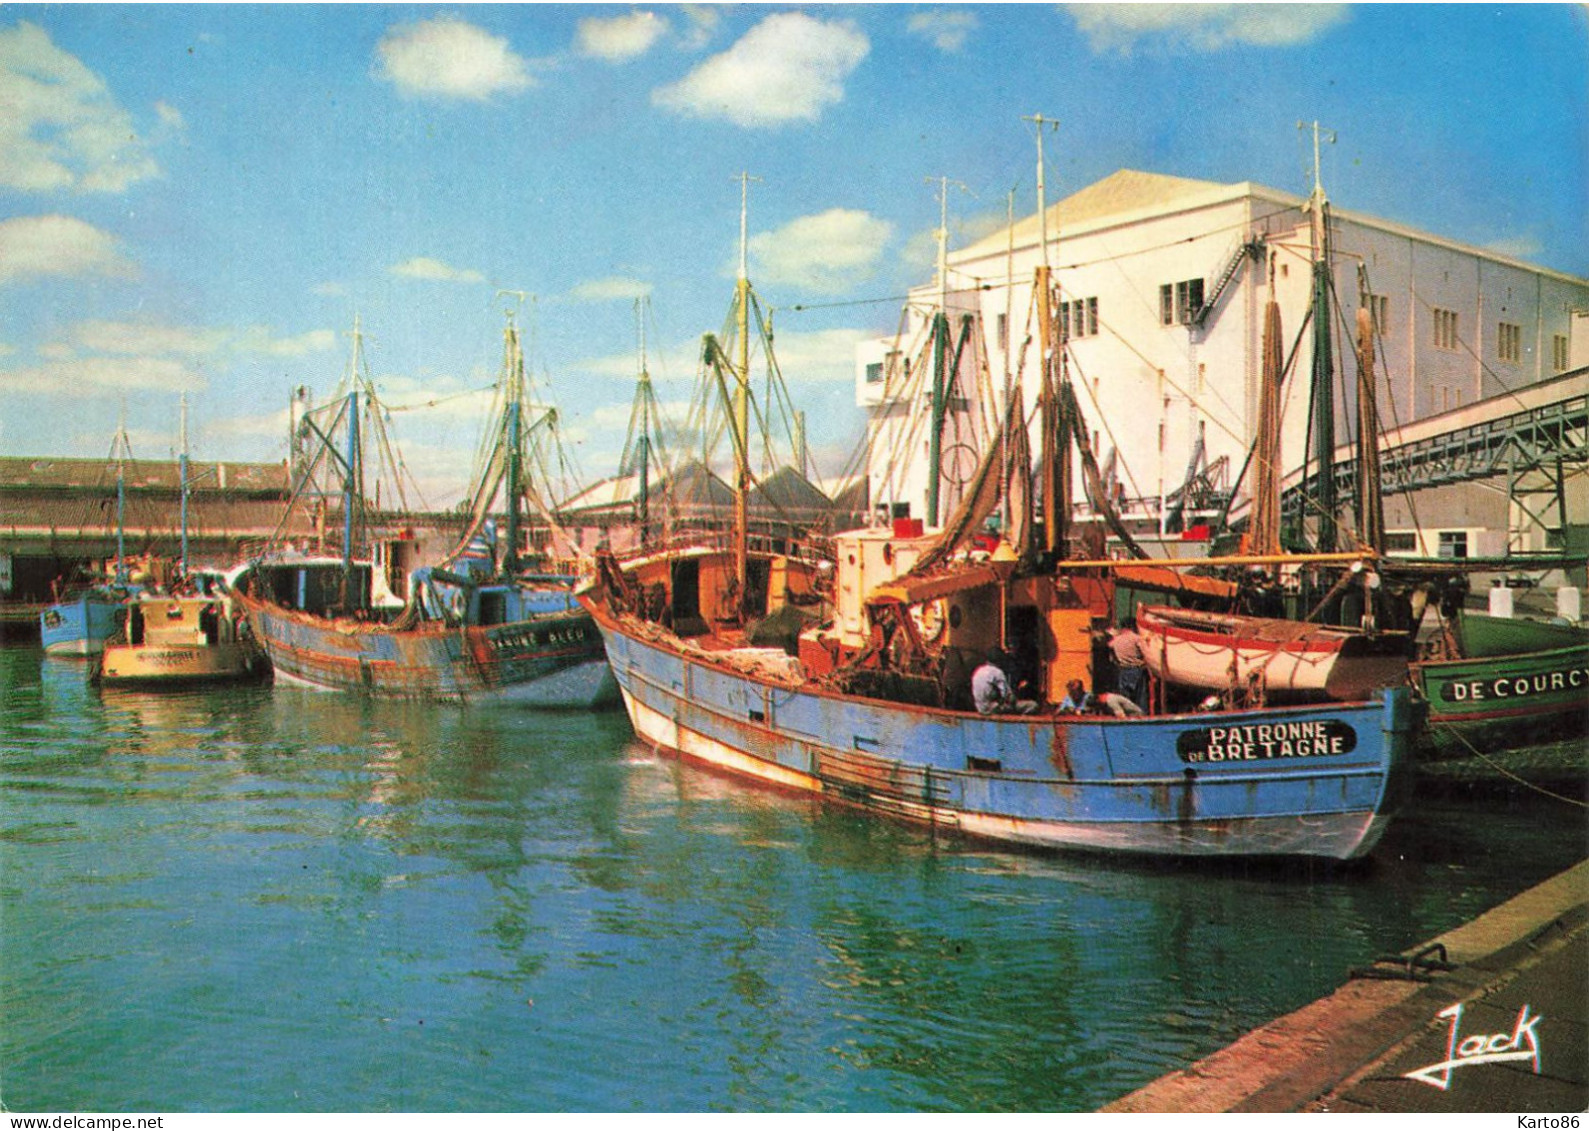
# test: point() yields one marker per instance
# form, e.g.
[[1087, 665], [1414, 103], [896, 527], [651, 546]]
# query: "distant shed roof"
[[54, 473]]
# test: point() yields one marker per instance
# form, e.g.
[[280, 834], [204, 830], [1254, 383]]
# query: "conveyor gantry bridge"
[[1535, 439]]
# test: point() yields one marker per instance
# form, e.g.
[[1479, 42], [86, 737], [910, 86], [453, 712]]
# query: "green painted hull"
[[1521, 682]]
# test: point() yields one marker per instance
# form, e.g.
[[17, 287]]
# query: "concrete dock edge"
[[1349, 1051]]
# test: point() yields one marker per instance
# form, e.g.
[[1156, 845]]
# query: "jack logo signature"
[[1522, 1043]]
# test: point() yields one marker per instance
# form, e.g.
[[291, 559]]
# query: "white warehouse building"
[[1162, 285]]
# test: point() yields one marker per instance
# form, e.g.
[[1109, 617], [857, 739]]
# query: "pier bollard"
[[1569, 604], [1500, 601]]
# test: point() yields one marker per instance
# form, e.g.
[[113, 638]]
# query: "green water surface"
[[266, 899]]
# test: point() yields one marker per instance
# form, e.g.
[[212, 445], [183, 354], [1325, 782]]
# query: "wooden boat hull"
[[1305, 781], [78, 628], [1485, 703], [552, 661], [180, 641], [128, 665], [1217, 651]]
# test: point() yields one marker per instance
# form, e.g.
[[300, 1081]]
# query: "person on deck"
[[991, 691], [1131, 663], [1076, 701], [1079, 702]]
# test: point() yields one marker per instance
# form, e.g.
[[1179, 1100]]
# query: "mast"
[[350, 470], [644, 449], [741, 421], [638, 444], [510, 559], [1056, 448], [1042, 202], [1370, 502], [940, 344], [121, 499], [1322, 389], [182, 468], [350, 490], [1265, 532]]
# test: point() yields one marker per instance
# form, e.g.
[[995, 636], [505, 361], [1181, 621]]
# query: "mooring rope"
[[1487, 760]]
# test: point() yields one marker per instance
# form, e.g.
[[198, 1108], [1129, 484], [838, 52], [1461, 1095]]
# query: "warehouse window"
[[1180, 302], [1509, 341], [1078, 318], [1453, 543], [1445, 329], [1379, 311], [1558, 352]]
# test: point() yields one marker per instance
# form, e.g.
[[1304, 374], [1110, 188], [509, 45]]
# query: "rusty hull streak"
[[1059, 749]]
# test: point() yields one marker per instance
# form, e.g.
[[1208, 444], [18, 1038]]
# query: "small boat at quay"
[[470, 629], [180, 641], [77, 625], [1498, 681], [188, 635]]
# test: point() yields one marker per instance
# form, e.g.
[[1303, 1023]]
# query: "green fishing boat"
[[1495, 683]]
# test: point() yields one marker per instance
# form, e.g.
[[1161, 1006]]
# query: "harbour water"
[[266, 899]]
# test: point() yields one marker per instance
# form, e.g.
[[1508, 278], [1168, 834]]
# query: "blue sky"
[[199, 199]]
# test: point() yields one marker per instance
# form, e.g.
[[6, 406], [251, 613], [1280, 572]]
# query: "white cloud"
[[787, 68], [38, 246], [272, 426], [819, 355], [621, 38], [665, 363], [315, 341], [91, 376], [803, 356], [133, 339], [1203, 27], [139, 339], [921, 250], [105, 356], [827, 252], [434, 270], [703, 20], [61, 127], [448, 58], [611, 288], [945, 29]]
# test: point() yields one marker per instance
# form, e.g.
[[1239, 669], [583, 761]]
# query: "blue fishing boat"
[[79, 625], [1309, 781], [473, 628], [915, 677]]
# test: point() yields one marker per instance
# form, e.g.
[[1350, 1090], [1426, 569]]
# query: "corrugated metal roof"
[[52, 473]]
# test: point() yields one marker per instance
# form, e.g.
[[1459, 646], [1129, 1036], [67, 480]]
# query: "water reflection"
[[275, 899]]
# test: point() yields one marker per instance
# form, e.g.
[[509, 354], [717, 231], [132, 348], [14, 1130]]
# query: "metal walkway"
[[1544, 435]]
